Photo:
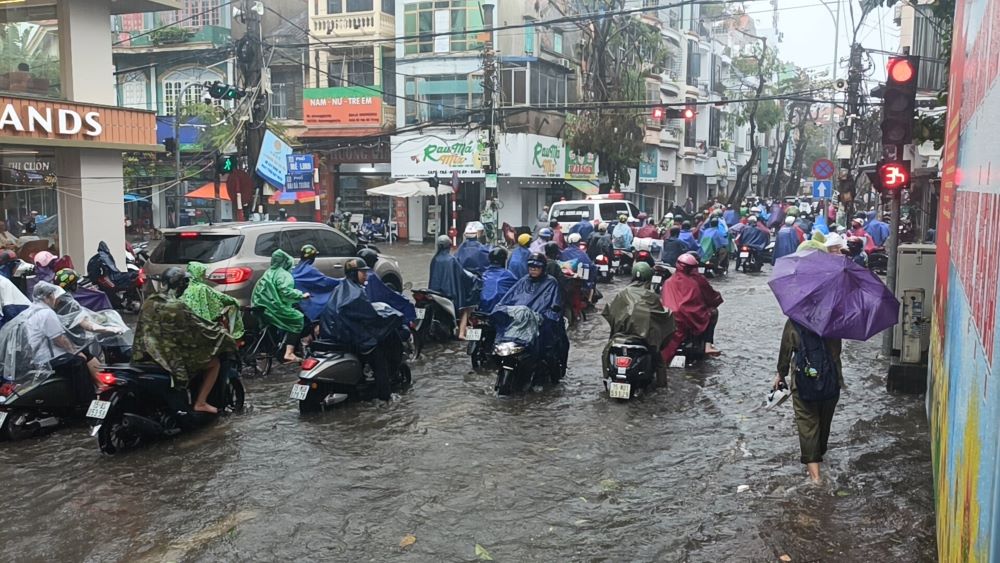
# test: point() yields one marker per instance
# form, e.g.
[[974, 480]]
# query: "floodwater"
[[563, 475]]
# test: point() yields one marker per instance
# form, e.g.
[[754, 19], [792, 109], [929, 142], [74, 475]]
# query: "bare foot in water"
[[206, 408], [711, 350]]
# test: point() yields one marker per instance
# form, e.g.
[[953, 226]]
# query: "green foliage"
[[16, 47], [172, 34]]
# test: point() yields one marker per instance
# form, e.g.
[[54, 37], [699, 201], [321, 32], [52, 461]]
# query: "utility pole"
[[845, 135], [490, 89], [250, 54]]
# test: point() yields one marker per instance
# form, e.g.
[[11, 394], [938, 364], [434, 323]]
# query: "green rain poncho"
[[171, 335], [637, 311], [275, 292], [210, 304], [817, 242]]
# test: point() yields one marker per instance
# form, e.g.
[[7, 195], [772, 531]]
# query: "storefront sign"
[[300, 164], [425, 154], [581, 167], [648, 163], [351, 105], [666, 173], [272, 164], [58, 123], [523, 155]]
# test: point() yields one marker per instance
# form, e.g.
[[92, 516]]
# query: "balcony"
[[170, 38], [671, 136], [354, 25]]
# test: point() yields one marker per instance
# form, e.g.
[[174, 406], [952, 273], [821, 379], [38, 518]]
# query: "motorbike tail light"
[[189, 235], [6, 389], [419, 296], [141, 280], [643, 255], [309, 363], [618, 253], [107, 378], [601, 260], [623, 361], [744, 248], [224, 276]]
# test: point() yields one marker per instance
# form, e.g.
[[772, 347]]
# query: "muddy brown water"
[[564, 475]]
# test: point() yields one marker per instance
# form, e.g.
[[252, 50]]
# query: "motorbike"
[[878, 261], [644, 256], [124, 289], [716, 266], [749, 260], [632, 367], [480, 335], [141, 402], [661, 273], [332, 375], [520, 366], [435, 316], [604, 272], [621, 261]]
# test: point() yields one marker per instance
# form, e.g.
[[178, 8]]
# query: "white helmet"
[[573, 238]]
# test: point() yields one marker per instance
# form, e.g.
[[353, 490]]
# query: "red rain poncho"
[[688, 295]]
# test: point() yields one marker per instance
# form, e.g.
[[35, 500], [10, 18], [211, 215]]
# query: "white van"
[[603, 207]]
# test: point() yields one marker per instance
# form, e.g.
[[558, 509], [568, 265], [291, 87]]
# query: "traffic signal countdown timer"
[[894, 176], [899, 102]]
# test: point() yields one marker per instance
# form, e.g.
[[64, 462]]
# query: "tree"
[[617, 53]]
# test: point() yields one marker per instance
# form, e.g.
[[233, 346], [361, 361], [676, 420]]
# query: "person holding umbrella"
[[827, 297]]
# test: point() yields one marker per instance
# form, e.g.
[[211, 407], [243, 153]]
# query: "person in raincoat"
[[687, 237], [102, 270], [581, 264], [497, 280], [637, 311], [275, 292], [787, 240], [584, 228], [172, 336], [600, 242], [817, 242], [351, 321], [673, 247], [731, 216], [308, 279], [45, 271], [544, 237], [754, 237], [695, 305], [12, 301], [471, 254], [448, 278], [621, 236], [715, 241], [211, 304], [378, 292], [518, 264]]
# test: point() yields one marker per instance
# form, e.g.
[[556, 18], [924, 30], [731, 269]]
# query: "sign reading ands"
[[353, 105], [61, 121], [29, 121]]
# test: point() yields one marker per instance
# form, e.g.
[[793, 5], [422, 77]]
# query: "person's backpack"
[[815, 370]]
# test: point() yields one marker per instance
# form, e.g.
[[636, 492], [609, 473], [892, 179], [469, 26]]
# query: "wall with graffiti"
[[964, 389]]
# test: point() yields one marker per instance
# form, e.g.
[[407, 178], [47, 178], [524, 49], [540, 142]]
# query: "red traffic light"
[[894, 175], [687, 113], [657, 113], [900, 70]]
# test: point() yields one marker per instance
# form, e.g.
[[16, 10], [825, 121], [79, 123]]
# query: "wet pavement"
[[564, 475]]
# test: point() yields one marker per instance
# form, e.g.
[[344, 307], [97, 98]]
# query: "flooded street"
[[564, 475]]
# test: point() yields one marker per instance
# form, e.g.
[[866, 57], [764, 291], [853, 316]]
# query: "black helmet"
[[552, 250], [67, 279], [443, 242], [175, 279], [352, 266], [536, 260], [498, 256], [369, 256], [308, 252]]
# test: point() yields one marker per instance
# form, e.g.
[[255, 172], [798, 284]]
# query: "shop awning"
[[208, 192], [586, 186], [407, 187]]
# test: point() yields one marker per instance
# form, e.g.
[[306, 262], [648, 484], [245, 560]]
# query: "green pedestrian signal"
[[225, 164]]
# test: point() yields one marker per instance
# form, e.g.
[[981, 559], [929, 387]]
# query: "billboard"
[[964, 386], [272, 164], [343, 106], [581, 167], [426, 154]]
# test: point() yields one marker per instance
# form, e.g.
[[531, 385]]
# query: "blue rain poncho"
[[621, 236], [518, 263], [473, 256], [378, 292], [497, 282], [351, 321], [754, 238], [731, 216], [584, 228], [714, 239], [687, 237], [450, 279], [878, 230], [576, 257], [319, 287], [786, 242], [543, 296]]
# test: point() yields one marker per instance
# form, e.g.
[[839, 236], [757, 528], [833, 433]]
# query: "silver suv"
[[237, 254]]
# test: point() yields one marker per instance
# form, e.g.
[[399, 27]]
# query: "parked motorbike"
[[749, 260], [331, 375], [878, 261], [661, 273], [140, 403], [632, 367], [435, 316], [480, 335]]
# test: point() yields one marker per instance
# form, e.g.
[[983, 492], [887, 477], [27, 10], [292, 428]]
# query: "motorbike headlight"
[[508, 349]]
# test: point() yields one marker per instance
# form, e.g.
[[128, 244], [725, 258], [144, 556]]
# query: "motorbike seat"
[[431, 292], [139, 369], [629, 340], [326, 346]]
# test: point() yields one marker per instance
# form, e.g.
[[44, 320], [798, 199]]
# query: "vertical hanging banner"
[[272, 163]]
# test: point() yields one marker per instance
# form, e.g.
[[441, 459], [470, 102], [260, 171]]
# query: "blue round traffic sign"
[[823, 169]]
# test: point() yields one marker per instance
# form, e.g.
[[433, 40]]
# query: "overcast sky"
[[808, 32]]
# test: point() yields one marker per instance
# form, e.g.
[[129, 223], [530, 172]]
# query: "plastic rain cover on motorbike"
[[517, 323], [637, 311], [17, 360], [80, 323], [350, 320]]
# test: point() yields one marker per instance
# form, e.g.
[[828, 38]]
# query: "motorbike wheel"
[[116, 435], [312, 403], [237, 395], [411, 348], [19, 426], [424, 332], [405, 377], [474, 355]]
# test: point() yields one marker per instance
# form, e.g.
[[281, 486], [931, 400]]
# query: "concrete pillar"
[[90, 203], [86, 52]]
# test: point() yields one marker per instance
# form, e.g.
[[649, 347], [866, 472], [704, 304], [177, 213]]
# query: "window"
[[279, 100], [714, 126], [29, 52], [514, 87], [202, 248], [266, 244], [132, 90], [359, 5], [334, 6], [389, 7], [193, 13], [557, 42], [610, 210], [446, 96], [174, 83], [547, 89], [351, 71], [693, 63], [331, 244], [442, 16], [571, 213]]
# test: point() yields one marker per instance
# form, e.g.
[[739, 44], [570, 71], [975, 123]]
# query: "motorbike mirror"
[[407, 286]]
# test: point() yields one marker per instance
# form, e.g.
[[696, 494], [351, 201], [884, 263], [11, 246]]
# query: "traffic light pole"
[[891, 248], [251, 61]]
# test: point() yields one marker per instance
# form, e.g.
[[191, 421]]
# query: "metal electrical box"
[[915, 272]]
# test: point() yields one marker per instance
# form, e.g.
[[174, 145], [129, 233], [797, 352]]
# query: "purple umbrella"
[[832, 296]]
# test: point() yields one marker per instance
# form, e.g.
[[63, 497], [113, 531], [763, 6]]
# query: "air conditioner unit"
[[564, 62]]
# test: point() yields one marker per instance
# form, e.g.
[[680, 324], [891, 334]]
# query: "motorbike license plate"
[[657, 279], [619, 390], [98, 409], [604, 267], [299, 392], [701, 271], [473, 334], [678, 362], [615, 263], [584, 273], [744, 255], [421, 313]]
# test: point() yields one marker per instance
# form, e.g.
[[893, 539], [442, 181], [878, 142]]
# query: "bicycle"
[[261, 344]]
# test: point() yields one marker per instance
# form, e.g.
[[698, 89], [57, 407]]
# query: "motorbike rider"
[[552, 265], [351, 321], [621, 236], [600, 242], [210, 304], [449, 278], [688, 238], [275, 292], [308, 279], [90, 331], [584, 228], [12, 301], [856, 251], [695, 305], [673, 247], [858, 230], [497, 280], [648, 229], [171, 335], [378, 292], [102, 270], [715, 241], [518, 264], [580, 262], [787, 240], [544, 237], [637, 311], [753, 237], [471, 254]]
